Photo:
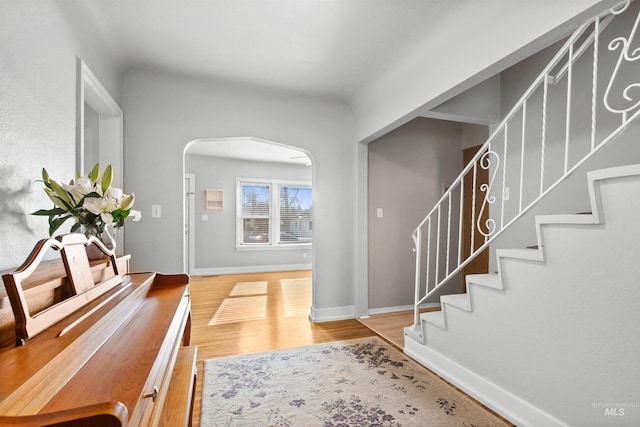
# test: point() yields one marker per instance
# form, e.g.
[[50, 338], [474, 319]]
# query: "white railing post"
[[461, 217], [473, 206], [545, 98], [428, 268], [524, 133], [594, 81], [418, 245], [448, 236], [437, 267], [567, 134], [504, 174]]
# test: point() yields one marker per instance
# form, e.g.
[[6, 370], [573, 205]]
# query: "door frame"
[[89, 90], [189, 216]]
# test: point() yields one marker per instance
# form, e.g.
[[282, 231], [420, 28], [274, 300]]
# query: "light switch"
[[379, 213], [205, 217], [156, 211]]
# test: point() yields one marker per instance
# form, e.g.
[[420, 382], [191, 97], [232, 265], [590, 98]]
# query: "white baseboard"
[[318, 315], [397, 308], [508, 405], [249, 269]]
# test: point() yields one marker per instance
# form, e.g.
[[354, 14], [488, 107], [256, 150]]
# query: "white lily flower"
[[79, 189], [135, 215], [115, 194], [101, 206], [99, 202]]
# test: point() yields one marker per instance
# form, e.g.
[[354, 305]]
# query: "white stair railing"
[[560, 144]]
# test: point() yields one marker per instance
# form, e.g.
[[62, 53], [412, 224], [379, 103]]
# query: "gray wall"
[[215, 239], [407, 168], [38, 48], [165, 112]]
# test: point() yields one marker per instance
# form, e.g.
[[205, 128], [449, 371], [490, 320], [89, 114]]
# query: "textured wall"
[[38, 48], [37, 119]]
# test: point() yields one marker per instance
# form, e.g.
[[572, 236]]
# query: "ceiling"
[[248, 149], [327, 48], [330, 49], [324, 48]]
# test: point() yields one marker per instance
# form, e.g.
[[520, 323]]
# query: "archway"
[[217, 239]]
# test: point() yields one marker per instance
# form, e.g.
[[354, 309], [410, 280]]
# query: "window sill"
[[268, 247]]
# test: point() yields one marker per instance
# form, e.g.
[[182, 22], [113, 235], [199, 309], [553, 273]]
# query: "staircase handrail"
[[483, 155]]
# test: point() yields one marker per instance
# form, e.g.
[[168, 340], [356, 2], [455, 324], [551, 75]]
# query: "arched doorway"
[[273, 235]]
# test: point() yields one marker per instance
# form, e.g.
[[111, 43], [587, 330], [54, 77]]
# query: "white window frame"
[[274, 217]]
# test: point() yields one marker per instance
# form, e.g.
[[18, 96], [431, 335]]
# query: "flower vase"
[[94, 252]]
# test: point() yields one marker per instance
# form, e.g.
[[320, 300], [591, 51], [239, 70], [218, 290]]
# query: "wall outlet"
[[205, 217]]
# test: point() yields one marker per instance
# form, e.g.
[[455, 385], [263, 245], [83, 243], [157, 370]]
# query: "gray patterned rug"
[[362, 382]]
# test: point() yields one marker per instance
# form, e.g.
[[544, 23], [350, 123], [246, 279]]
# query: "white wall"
[[163, 113], [480, 105], [474, 55], [215, 238], [38, 48]]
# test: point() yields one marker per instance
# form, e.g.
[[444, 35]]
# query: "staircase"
[[551, 337]]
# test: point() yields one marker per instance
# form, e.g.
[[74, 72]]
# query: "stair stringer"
[[549, 316]]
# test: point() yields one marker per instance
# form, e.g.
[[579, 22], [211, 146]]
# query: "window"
[[274, 213], [256, 213], [295, 214]]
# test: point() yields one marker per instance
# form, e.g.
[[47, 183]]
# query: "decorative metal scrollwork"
[[485, 162], [629, 55]]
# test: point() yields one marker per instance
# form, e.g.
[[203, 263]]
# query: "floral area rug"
[[362, 382]]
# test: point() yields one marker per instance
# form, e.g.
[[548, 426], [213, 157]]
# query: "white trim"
[[270, 247], [89, 90], [508, 405], [360, 229], [249, 269], [189, 215], [397, 308], [318, 315]]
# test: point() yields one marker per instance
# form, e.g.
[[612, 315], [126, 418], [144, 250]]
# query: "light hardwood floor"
[[390, 326], [261, 323], [273, 332]]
